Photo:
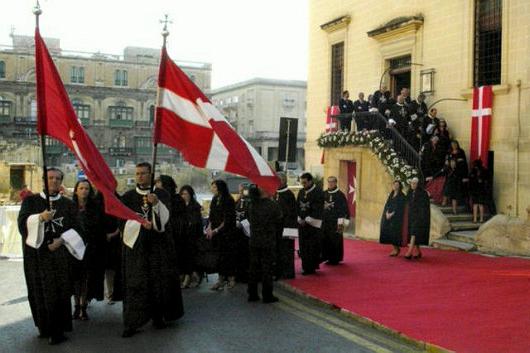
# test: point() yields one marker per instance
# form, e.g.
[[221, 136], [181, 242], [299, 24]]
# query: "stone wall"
[[504, 235]]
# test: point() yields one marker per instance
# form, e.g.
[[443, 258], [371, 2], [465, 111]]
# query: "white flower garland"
[[398, 168]]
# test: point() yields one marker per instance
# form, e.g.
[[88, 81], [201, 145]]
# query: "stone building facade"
[[441, 48], [254, 109], [113, 96]]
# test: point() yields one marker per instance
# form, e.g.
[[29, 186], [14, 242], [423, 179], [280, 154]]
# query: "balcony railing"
[[25, 120], [55, 149], [143, 124], [85, 121], [121, 123], [121, 151], [5, 120]]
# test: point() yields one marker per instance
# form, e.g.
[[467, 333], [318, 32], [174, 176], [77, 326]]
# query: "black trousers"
[[310, 239], [262, 261]]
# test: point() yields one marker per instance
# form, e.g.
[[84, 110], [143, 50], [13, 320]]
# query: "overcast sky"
[[241, 38]]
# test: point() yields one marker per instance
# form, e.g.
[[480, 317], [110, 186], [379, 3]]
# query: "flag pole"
[[165, 33], [37, 11]]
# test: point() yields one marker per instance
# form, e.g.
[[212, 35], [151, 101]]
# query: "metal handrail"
[[399, 143]]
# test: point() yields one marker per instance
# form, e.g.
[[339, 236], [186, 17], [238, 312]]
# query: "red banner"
[[481, 124], [56, 118]]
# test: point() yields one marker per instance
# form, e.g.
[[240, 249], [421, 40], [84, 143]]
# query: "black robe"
[[48, 274], [94, 234], [401, 116], [346, 108], [285, 251], [242, 265], [335, 207], [265, 219], [150, 276], [432, 159], [419, 215], [222, 211], [192, 230], [310, 204], [392, 229]]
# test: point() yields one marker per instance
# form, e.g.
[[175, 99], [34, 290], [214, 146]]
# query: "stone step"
[[464, 236], [447, 244], [449, 209], [457, 226], [459, 217]]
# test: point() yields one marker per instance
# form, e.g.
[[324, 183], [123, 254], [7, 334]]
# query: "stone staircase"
[[463, 231]]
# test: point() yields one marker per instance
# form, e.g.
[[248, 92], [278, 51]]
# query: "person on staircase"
[[479, 189]]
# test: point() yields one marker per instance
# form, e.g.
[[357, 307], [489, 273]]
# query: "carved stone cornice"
[[396, 26], [336, 24]]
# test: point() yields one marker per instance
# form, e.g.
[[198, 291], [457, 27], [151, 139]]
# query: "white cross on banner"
[[481, 123]]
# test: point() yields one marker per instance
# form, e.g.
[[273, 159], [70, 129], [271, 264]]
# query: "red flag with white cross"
[[481, 123]]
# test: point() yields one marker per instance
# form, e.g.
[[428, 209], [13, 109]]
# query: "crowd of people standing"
[[146, 265]]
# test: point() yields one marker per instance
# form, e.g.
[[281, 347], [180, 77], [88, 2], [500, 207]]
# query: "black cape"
[[150, 276], [285, 250], [392, 229], [222, 211], [335, 207], [419, 215], [310, 204], [48, 274]]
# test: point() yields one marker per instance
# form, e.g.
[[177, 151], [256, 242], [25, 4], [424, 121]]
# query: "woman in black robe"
[[392, 219], [479, 189], [192, 230], [221, 228], [89, 274], [242, 255], [452, 187], [176, 210], [419, 224]]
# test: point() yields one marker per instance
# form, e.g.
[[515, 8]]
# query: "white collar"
[[333, 191], [52, 198], [401, 105], [282, 190], [311, 189], [142, 192]]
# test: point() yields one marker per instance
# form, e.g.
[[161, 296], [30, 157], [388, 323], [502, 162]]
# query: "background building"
[[441, 48], [113, 96], [254, 109]]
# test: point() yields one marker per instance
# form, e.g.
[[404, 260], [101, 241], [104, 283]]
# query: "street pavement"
[[213, 322]]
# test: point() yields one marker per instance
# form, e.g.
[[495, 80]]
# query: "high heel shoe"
[[84, 314]]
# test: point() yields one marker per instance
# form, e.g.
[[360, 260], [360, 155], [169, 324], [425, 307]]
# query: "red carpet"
[[463, 302]]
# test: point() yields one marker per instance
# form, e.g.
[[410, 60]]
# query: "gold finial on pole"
[[165, 32], [37, 11]]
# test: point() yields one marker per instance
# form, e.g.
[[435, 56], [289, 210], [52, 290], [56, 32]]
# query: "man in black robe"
[[310, 206], [287, 201], [346, 110], [336, 217], [150, 276], [400, 115], [361, 106], [429, 124], [47, 237]]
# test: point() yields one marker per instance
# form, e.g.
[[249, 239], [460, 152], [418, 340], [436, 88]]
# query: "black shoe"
[[271, 299], [43, 334], [408, 257], [253, 298], [307, 273], [56, 339], [77, 312], [128, 333]]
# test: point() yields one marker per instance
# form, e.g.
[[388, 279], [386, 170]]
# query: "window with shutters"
[[488, 42], [337, 72]]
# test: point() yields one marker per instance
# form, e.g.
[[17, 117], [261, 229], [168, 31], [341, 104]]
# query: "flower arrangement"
[[398, 168]]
